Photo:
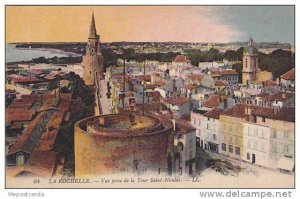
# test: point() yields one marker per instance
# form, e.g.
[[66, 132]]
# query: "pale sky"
[[150, 23]]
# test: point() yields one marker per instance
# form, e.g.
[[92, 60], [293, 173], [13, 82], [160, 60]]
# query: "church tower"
[[92, 61], [250, 63]]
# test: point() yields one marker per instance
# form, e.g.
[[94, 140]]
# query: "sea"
[[13, 54]]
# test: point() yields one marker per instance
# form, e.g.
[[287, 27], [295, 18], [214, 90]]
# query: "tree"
[[278, 62]]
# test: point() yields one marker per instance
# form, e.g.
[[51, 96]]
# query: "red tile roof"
[[56, 119], [215, 113], [280, 96], [212, 102], [239, 111], [177, 101], [47, 141], [154, 94], [269, 83], [27, 80], [19, 145], [189, 86], [181, 58], [35, 72], [18, 117], [196, 76], [146, 78], [285, 114], [221, 83], [290, 75], [183, 126]]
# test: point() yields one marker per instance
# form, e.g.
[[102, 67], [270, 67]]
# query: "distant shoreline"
[[52, 50]]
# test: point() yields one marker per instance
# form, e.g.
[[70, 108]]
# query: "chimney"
[[174, 124]]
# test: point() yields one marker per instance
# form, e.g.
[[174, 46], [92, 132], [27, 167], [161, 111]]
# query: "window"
[[237, 150], [194, 121], [263, 119], [248, 156], [223, 147], [230, 149], [199, 122], [214, 137]]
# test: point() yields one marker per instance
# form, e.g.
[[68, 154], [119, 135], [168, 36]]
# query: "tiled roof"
[[290, 75], [47, 141], [177, 101], [180, 58], [215, 113], [221, 83], [27, 80], [189, 86], [285, 114], [56, 119], [239, 111], [183, 126], [280, 96], [36, 72], [196, 76], [20, 144], [269, 83], [146, 78], [212, 102], [9, 117], [154, 94]]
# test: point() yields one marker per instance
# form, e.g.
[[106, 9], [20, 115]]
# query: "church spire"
[[93, 31]]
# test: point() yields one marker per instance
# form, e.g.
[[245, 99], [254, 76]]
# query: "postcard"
[[150, 96]]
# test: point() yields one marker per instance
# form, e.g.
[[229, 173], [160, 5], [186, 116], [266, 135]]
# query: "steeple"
[[250, 42], [93, 31]]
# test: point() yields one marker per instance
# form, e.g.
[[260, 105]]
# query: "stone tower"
[[250, 63], [92, 61]]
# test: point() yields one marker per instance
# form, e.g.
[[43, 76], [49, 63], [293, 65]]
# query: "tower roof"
[[250, 49], [93, 31]]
